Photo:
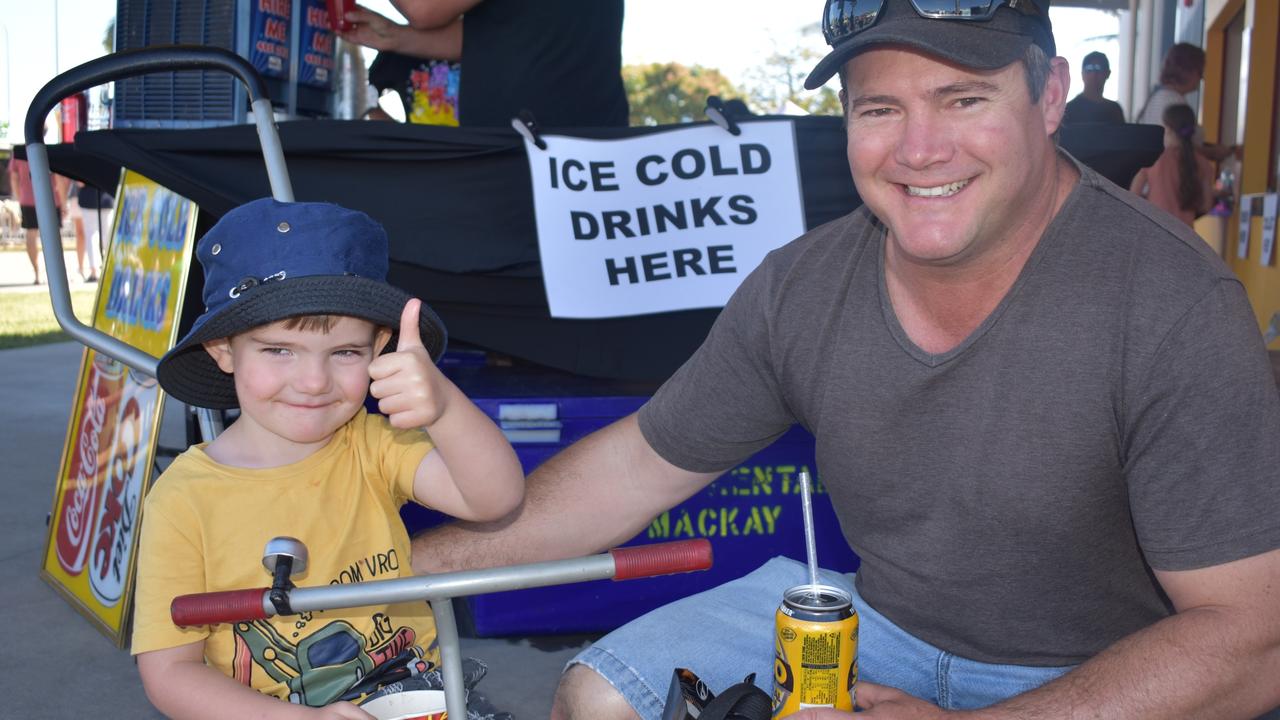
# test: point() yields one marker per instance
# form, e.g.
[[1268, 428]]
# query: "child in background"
[[1181, 180], [297, 317]]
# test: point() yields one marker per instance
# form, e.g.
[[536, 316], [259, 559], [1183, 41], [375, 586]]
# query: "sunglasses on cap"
[[843, 19]]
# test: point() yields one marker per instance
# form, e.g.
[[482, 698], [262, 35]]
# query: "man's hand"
[[372, 30], [880, 702], [406, 382]]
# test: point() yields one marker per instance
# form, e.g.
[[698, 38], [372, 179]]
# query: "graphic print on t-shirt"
[[433, 87], [323, 666]]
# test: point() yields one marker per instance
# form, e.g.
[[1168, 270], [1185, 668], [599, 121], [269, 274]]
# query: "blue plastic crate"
[[750, 514]]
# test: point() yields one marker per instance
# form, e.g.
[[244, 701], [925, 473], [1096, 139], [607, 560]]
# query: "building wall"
[[1257, 90]]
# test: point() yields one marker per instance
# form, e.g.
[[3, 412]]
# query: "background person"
[[1180, 182], [559, 59], [20, 181], [1090, 106], [427, 88], [1044, 416], [1180, 74], [84, 253], [96, 208]]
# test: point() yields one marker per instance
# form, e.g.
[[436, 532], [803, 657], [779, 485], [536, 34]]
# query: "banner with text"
[[145, 268], [667, 221]]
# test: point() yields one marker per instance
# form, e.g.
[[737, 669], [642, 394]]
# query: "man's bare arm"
[[1218, 657], [595, 494], [373, 30], [428, 14]]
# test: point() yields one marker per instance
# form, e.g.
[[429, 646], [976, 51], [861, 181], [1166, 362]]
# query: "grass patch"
[[26, 318]]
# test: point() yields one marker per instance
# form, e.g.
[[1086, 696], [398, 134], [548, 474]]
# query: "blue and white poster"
[[315, 65], [269, 37]]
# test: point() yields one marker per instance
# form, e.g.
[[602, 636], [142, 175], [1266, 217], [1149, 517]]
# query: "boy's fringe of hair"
[[311, 323]]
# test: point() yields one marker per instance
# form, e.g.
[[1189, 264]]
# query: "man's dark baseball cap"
[[1096, 62], [980, 44]]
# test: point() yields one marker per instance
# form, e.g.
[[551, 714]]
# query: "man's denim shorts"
[[727, 632]]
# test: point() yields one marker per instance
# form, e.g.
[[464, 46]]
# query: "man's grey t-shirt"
[[1008, 498]]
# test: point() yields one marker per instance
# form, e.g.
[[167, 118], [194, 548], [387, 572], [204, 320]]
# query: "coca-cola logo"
[[80, 495], [85, 481]]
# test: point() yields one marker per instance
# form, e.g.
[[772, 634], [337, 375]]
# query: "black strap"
[[743, 701]]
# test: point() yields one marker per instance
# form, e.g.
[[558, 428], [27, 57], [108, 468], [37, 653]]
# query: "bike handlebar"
[[661, 559], [618, 564], [219, 607]]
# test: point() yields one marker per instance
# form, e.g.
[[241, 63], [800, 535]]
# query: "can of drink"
[[815, 650], [337, 10]]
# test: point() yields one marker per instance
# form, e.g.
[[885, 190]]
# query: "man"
[[1043, 414], [1089, 106], [559, 59]]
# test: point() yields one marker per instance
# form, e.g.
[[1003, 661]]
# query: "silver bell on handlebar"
[[287, 549]]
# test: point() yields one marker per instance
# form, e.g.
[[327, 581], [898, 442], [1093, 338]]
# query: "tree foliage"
[[779, 82], [663, 93]]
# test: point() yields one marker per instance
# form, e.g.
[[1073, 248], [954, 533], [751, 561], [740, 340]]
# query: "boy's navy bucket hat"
[[853, 26], [266, 261]]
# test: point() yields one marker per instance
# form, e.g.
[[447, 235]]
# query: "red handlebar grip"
[[217, 607], [661, 559]]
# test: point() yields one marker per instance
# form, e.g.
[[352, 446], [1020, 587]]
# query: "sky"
[[731, 35]]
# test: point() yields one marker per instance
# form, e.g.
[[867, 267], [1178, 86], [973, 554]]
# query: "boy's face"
[[300, 386]]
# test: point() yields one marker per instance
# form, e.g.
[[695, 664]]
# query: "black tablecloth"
[[457, 204]]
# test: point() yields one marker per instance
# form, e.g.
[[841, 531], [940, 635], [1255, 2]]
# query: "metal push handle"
[[106, 69], [617, 564]]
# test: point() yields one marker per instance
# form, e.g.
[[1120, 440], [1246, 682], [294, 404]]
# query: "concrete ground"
[[57, 664]]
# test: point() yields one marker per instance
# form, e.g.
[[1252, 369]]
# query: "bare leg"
[[91, 231], [33, 251], [585, 695], [78, 224]]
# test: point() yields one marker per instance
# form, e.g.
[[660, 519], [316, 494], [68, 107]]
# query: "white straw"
[[810, 545]]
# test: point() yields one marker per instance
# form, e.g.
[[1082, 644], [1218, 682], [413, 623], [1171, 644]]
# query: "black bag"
[[690, 698], [743, 701]]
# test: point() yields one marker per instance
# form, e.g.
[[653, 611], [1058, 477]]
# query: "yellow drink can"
[[815, 650]]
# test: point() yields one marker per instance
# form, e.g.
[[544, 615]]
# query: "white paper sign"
[[1269, 202], [667, 221], [1246, 219]]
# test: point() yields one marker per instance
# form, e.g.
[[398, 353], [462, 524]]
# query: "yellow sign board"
[[109, 453], [146, 266]]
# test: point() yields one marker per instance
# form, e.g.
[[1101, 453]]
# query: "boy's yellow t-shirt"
[[205, 525]]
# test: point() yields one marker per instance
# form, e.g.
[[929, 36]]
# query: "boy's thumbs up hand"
[[406, 382]]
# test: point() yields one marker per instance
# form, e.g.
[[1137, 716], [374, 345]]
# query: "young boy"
[[298, 316]]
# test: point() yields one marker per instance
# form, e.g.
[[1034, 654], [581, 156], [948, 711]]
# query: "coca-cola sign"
[[82, 491], [109, 454]]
